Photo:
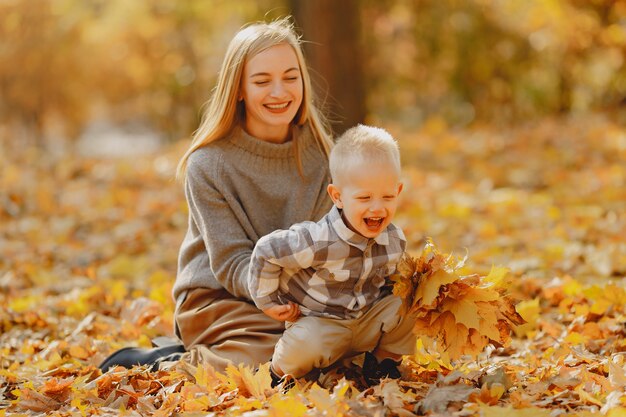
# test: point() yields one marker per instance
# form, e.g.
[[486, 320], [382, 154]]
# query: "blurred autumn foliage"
[[65, 63], [495, 60]]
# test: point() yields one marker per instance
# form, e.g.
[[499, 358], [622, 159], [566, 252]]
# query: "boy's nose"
[[376, 207]]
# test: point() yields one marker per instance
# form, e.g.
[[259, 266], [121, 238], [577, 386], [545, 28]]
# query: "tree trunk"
[[331, 31]]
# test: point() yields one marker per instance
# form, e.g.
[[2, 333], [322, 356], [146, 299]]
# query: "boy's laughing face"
[[367, 193]]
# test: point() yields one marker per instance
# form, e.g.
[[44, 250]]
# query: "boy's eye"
[[263, 82], [291, 78], [363, 198]]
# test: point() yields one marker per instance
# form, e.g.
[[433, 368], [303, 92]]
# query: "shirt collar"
[[351, 237]]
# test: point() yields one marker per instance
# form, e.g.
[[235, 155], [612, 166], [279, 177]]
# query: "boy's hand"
[[286, 312]]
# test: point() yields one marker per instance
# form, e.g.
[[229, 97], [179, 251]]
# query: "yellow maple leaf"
[[464, 311], [575, 338], [461, 314], [78, 351], [489, 411], [428, 360], [587, 398], [286, 406], [476, 343], [249, 383], [326, 403], [428, 291], [489, 395], [489, 321], [452, 337], [205, 376], [496, 276], [401, 285], [617, 412], [197, 403], [476, 294], [529, 310], [59, 389]]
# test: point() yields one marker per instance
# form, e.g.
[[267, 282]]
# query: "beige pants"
[[218, 329], [317, 342]]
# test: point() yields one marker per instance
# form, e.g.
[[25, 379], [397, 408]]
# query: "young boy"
[[331, 272]]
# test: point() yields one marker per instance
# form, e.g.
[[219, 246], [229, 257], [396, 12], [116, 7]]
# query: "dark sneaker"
[[131, 356], [172, 357], [373, 371], [389, 368], [287, 381]]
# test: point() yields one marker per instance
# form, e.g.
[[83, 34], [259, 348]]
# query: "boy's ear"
[[335, 195]]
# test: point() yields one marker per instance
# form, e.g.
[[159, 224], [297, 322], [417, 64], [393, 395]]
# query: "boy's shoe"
[[287, 380], [390, 368], [131, 356], [373, 371], [172, 357]]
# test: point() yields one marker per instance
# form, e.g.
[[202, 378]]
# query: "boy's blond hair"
[[363, 143]]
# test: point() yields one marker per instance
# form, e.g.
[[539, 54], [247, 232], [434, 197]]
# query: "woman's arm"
[[227, 244]]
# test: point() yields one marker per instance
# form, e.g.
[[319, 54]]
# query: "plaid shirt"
[[325, 267]]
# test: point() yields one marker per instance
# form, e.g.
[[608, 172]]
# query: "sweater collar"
[[300, 134], [353, 238]]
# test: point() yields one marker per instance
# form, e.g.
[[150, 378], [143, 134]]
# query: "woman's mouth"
[[278, 107]]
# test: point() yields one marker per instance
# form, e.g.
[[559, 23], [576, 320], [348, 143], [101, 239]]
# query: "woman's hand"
[[286, 312]]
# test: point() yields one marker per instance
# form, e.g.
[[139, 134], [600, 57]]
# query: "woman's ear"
[[335, 195]]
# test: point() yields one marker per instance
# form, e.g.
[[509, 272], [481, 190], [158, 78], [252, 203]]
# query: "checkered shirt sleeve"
[[282, 250]]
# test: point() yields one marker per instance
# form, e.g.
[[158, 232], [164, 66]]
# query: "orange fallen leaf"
[[462, 314], [79, 352]]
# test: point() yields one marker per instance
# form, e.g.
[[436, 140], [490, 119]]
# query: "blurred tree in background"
[[66, 63], [335, 57]]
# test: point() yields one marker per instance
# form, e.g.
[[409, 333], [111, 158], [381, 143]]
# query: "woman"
[[258, 162]]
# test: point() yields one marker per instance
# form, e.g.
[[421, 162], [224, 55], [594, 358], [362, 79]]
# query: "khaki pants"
[[218, 329], [318, 342]]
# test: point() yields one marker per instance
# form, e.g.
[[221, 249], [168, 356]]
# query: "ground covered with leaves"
[[88, 256]]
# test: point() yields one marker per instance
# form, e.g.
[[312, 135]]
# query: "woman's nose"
[[277, 89]]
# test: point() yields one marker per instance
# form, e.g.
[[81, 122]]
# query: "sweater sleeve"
[[290, 250], [228, 246]]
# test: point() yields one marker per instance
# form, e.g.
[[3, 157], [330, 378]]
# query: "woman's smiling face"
[[271, 89]]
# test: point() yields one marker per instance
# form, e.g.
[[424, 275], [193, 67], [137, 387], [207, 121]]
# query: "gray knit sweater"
[[239, 189]]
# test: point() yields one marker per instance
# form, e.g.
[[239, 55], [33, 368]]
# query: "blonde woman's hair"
[[224, 112], [363, 143]]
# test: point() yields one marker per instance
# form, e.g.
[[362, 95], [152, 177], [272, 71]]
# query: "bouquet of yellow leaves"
[[460, 315]]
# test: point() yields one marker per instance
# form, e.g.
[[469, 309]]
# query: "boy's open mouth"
[[374, 221]]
